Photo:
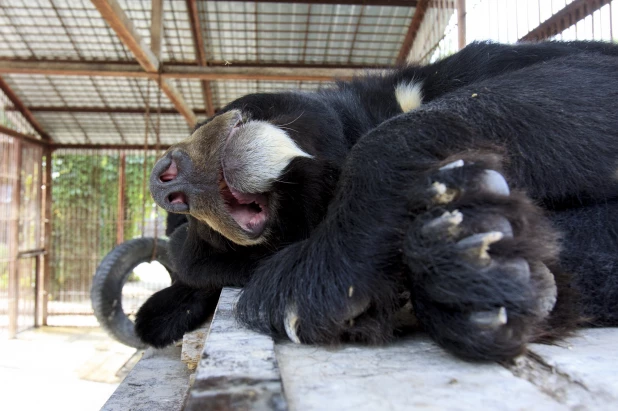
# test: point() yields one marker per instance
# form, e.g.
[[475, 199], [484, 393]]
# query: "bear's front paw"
[[476, 256], [310, 296], [169, 313]]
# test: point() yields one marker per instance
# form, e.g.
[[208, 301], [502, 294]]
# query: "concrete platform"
[[241, 369], [412, 373]]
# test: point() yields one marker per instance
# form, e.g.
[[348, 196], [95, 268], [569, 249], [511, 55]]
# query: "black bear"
[[476, 198]]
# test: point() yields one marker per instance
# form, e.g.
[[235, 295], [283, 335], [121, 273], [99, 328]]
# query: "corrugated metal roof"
[[234, 32]]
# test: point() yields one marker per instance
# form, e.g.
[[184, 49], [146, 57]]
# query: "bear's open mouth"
[[250, 211]]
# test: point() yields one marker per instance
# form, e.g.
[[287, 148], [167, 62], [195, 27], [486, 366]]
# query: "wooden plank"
[[21, 107], [117, 19], [156, 27], [415, 24], [181, 71], [573, 12]]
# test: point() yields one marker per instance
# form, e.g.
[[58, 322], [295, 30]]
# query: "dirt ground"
[[61, 368]]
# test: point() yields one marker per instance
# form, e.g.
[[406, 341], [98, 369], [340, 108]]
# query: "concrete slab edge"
[[238, 368]]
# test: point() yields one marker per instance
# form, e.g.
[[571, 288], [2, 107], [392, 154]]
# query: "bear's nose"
[[170, 174], [169, 181]]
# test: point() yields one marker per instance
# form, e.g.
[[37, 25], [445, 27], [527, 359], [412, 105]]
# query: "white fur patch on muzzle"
[[256, 155]]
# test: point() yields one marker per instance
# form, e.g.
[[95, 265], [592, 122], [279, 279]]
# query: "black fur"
[[542, 114]]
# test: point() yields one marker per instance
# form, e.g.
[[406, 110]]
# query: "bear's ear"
[[168, 314]]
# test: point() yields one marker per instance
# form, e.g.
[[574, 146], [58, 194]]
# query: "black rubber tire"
[[112, 274]]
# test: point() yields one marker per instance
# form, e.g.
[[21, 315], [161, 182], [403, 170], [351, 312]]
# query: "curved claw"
[[546, 285], [477, 245], [454, 164], [495, 183], [489, 319], [446, 223], [290, 323]]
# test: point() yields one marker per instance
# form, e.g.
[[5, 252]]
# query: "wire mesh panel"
[[20, 233], [57, 29], [30, 234], [225, 92], [8, 217], [100, 198], [303, 33]]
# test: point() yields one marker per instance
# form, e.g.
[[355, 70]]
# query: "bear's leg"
[[483, 276], [589, 252], [478, 257]]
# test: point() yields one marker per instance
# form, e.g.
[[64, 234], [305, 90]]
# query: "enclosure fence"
[[21, 234], [100, 199]]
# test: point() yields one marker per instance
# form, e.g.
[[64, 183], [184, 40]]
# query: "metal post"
[[121, 199], [45, 276], [461, 23], [14, 241]]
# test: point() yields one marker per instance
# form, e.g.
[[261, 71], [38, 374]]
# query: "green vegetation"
[[85, 213]]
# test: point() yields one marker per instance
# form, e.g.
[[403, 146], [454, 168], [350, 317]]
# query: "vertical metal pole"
[[45, 285], [156, 27], [14, 241], [121, 199], [461, 23], [37, 287]]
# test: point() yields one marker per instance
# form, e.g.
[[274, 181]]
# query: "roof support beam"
[[51, 68], [156, 27], [21, 107], [198, 43], [571, 13], [24, 137], [109, 147], [101, 110], [415, 24], [117, 19], [409, 3]]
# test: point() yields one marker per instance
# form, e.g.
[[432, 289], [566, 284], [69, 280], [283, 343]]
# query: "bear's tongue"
[[248, 210]]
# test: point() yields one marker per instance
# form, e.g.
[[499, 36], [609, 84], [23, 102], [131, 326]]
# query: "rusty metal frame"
[[117, 19], [415, 24], [21, 107], [198, 44], [572, 13]]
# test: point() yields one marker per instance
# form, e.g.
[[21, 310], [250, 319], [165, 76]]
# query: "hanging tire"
[[110, 278]]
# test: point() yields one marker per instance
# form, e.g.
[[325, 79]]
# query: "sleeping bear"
[[475, 198]]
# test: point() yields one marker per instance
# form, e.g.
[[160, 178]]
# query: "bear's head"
[[262, 169]]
